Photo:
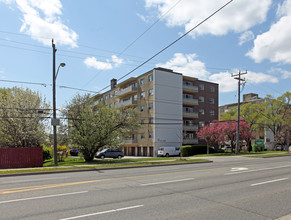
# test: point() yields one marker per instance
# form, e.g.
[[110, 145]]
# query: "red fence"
[[21, 157]]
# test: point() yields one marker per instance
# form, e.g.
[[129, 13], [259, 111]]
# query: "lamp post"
[[55, 121]]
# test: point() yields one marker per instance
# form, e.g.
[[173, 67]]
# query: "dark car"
[[110, 153], [74, 152]]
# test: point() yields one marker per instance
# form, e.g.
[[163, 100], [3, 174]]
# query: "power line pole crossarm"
[[238, 77]]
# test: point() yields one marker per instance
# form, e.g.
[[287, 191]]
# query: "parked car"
[[110, 153], [167, 151], [74, 152]]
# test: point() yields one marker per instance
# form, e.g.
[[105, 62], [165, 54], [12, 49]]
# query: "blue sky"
[[105, 39]]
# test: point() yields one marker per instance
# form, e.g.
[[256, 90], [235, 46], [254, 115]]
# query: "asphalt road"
[[228, 188]]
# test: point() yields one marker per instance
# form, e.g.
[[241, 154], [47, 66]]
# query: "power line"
[[45, 85], [32, 83], [162, 50]]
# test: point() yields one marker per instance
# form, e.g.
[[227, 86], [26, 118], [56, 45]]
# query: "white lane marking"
[[42, 197], [248, 171], [104, 212], [171, 181], [33, 180], [235, 169], [271, 181]]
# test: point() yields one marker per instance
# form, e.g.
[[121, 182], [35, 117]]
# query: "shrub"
[[62, 153], [189, 150], [46, 153]]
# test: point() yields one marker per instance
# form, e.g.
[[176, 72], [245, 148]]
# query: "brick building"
[[171, 108]]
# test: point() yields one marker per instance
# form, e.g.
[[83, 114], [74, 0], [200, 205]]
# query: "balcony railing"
[[190, 114], [130, 141], [127, 91], [190, 127], [190, 101], [190, 141], [126, 103], [191, 89]]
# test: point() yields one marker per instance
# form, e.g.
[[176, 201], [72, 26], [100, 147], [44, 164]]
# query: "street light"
[[55, 121]]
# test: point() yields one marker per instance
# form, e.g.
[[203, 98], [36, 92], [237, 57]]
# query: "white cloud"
[[257, 78], [186, 64], [238, 16], [283, 73], [189, 65], [100, 65], [275, 44], [225, 81], [144, 18], [41, 21], [245, 37]]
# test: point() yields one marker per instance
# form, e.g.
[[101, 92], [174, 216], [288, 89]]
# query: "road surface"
[[228, 188]]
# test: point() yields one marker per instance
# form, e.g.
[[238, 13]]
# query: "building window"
[[201, 111], [142, 108], [211, 112], [142, 94], [187, 83], [150, 135], [201, 99], [151, 92], [151, 120], [110, 106], [212, 89], [106, 97], [151, 106], [201, 124], [151, 78], [187, 96], [142, 81], [201, 86], [188, 109], [142, 121], [142, 136], [211, 100]]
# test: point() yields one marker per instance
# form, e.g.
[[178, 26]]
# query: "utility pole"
[[54, 119], [238, 107]]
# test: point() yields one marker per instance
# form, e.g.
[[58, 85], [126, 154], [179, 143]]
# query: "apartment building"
[[171, 108], [247, 98]]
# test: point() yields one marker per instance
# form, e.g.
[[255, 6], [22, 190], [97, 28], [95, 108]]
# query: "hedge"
[[189, 150]]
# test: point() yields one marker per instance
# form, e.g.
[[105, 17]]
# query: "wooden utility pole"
[[237, 77]]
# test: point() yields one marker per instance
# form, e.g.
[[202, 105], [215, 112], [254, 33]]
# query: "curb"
[[96, 169]]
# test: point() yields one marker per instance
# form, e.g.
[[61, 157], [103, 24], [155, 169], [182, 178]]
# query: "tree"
[[22, 118], [229, 130], [275, 114], [217, 132], [210, 133], [93, 127]]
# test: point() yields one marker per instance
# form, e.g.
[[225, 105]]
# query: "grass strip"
[[102, 166]]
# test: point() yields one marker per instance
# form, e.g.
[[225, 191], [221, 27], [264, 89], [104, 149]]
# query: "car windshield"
[[104, 150]]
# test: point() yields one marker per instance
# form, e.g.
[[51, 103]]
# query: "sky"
[[105, 39]]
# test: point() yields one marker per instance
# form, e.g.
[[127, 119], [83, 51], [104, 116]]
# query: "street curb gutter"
[[96, 169]]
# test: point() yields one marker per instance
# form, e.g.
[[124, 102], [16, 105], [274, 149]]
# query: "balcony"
[[126, 91], [190, 114], [190, 127], [190, 89], [190, 141], [127, 103], [190, 101], [130, 141]]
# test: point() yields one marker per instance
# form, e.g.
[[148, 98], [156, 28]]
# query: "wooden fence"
[[21, 157]]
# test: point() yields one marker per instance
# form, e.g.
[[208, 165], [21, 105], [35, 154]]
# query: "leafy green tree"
[[275, 114], [93, 127], [22, 118]]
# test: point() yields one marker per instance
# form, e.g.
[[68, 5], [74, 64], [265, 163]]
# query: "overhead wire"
[[169, 45]]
